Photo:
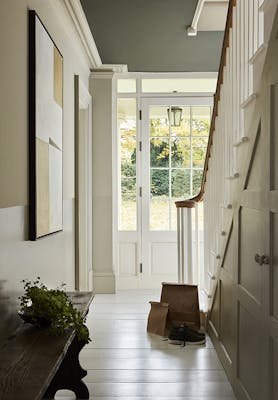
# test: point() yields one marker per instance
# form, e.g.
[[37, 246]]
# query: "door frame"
[[143, 101]]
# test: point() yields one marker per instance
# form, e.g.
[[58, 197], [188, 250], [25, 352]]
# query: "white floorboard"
[[124, 362]]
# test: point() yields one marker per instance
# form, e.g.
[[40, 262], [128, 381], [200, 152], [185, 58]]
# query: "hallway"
[[124, 362]]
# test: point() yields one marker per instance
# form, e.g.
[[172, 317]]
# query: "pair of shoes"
[[183, 335]]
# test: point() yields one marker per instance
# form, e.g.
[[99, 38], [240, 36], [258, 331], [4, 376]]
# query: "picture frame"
[[45, 132]]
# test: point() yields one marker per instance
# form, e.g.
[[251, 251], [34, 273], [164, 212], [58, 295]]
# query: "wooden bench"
[[34, 365]]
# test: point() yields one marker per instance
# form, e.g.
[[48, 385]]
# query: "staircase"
[[229, 154], [245, 45]]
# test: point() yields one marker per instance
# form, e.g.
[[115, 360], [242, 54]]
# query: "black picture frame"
[[37, 211]]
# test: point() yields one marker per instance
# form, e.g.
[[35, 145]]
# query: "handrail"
[[199, 197]]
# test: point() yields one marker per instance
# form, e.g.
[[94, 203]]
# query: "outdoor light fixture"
[[174, 115]]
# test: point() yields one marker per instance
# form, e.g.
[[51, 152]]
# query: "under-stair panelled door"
[[172, 159], [256, 367]]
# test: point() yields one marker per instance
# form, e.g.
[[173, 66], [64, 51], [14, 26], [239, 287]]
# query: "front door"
[[171, 147]]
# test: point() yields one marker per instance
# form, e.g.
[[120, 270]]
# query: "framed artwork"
[[45, 132]]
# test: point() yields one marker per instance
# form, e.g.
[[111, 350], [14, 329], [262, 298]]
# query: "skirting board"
[[104, 282]]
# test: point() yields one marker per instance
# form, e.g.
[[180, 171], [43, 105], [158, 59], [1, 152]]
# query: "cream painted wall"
[[101, 84], [51, 257]]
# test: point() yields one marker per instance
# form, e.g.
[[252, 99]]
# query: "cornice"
[[82, 28]]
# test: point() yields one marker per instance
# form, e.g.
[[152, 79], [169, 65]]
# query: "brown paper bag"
[[183, 304], [157, 318]]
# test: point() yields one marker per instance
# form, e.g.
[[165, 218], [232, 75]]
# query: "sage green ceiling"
[[150, 35]]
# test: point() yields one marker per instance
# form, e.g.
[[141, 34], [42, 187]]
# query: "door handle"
[[263, 259]]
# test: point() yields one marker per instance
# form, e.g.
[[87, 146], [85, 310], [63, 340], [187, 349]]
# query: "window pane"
[[200, 121], [180, 152], [199, 148], [159, 200], [126, 85], [198, 156], [197, 180], [199, 142], [127, 135], [193, 85], [159, 152], [184, 128], [159, 124], [180, 184]]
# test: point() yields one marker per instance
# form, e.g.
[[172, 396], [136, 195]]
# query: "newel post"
[[185, 240]]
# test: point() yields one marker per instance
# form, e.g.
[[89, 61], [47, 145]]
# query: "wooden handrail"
[[186, 203], [199, 197]]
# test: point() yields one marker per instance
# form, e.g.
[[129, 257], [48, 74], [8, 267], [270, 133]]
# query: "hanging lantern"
[[174, 115]]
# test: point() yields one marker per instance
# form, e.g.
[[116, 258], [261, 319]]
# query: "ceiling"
[[150, 35]]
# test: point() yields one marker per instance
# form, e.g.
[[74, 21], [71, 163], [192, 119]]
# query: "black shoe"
[[183, 335], [185, 329]]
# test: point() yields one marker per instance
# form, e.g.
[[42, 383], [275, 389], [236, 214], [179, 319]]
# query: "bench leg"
[[70, 373]]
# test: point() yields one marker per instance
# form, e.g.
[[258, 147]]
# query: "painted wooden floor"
[[124, 362]]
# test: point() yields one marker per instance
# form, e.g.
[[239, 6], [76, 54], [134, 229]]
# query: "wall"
[[51, 258], [101, 84]]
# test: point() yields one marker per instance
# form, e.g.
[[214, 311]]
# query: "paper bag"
[[157, 318], [183, 304]]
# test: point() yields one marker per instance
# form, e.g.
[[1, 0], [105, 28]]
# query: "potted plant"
[[51, 309]]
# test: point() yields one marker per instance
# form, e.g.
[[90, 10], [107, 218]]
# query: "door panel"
[[256, 364], [226, 312], [272, 312], [163, 259], [274, 137], [274, 365], [128, 259], [251, 223], [251, 297], [249, 348], [274, 265]]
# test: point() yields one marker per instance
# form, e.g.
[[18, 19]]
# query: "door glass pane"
[[197, 175], [184, 128], [158, 122], [127, 136], [198, 156], [159, 152], [175, 175], [180, 152], [159, 199], [200, 121], [180, 184]]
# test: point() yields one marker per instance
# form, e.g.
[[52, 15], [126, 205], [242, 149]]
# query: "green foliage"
[[44, 307], [128, 177], [159, 182], [159, 153], [181, 183], [197, 180]]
